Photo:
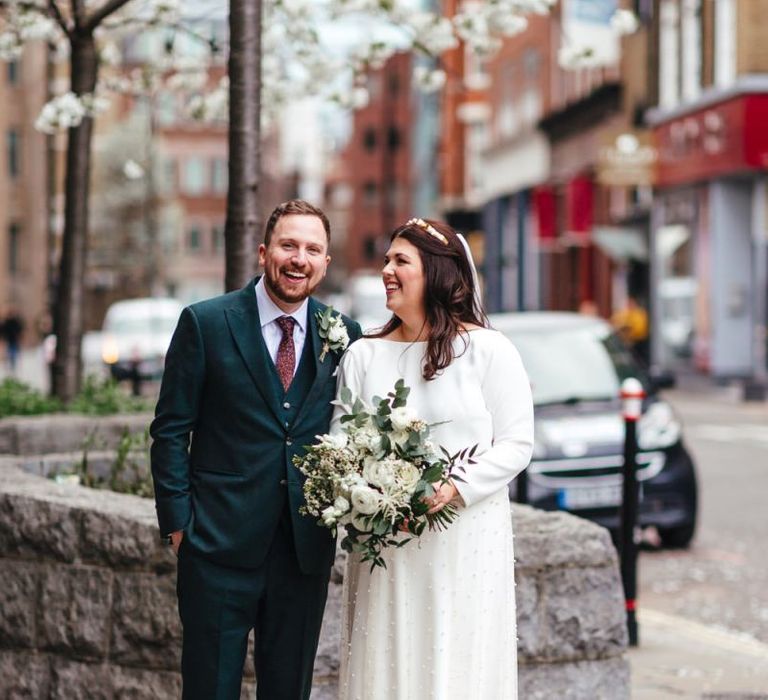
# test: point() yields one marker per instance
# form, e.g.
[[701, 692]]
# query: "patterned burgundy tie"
[[286, 351]]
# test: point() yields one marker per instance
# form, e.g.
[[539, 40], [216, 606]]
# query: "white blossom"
[[133, 170], [624, 22], [571, 57], [429, 79]]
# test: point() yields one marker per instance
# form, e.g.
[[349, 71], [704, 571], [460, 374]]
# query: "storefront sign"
[[723, 139], [627, 159]]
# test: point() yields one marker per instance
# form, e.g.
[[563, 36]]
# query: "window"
[[217, 233], [370, 194], [13, 72], [220, 175], [194, 239], [369, 247], [394, 84], [725, 42], [669, 50], [169, 176], [195, 176], [14, 242], [369, 139], [692, 49], [393, 138], [14, 153]]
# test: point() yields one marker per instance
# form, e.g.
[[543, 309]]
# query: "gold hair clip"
[[431, 230]]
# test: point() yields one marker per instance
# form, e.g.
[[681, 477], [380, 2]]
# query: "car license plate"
[[608, 496]]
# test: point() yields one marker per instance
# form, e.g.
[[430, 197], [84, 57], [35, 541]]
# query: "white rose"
[[365, 500], [408, 476], [329, 516], [337, 333], [402, 417], [367, 439], [337, 441], [379, 473], [341, 505]]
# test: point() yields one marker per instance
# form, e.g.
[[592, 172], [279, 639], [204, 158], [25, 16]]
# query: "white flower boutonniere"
[[332, 330]]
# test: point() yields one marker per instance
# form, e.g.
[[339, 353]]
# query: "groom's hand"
[[176, 538]]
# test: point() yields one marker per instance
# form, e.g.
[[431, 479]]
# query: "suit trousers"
[[219, 606]]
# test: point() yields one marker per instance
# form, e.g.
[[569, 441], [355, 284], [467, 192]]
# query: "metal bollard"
[[632, 395]]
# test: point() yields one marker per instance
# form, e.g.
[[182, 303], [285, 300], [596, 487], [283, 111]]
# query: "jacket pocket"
[[216, 470]]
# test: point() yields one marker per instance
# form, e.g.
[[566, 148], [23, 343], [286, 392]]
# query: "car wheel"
[[677, 537]]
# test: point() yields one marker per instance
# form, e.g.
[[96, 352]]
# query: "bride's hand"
[[443, 496]]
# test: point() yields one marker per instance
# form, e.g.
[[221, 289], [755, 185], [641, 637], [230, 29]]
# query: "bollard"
[[632, 395]]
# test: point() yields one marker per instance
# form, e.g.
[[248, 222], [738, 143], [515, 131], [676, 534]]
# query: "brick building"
[[377, 161], [24, 214]]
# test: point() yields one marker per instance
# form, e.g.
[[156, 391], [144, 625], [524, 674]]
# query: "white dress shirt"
[[269, 312]]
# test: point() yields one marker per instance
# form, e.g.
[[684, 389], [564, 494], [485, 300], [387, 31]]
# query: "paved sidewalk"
[[31, 368], [678, 658]]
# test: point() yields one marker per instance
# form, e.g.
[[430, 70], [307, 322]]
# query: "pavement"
[[680, 658], [677, 656]]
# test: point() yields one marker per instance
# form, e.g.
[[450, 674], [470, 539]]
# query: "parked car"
[[368, 300], [136, 334], [576, 364]]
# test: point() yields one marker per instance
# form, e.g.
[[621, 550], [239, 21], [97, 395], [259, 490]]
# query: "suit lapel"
[[245, 326], [324, 369]]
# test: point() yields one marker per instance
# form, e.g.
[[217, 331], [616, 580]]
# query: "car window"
[[574, 364], [153, 324]]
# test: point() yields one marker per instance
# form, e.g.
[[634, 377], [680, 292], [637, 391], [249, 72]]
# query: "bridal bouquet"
[[373, 477]]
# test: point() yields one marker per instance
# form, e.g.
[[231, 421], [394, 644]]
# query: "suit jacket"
[[224, 434]]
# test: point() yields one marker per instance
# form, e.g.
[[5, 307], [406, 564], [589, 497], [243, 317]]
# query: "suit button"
[[288, 441], [283, 482], [286, 405]]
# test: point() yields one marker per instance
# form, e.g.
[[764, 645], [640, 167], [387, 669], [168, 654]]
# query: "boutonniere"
[[332, 330]]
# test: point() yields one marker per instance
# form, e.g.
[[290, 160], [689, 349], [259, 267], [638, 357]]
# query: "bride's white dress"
[[439, 622]]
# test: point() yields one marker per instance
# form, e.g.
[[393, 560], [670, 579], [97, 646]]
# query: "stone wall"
[[88, 609]]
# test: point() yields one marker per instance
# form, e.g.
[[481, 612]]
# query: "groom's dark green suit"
[[224, 436]]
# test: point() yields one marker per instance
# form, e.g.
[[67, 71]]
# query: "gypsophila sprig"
[[374, 476], [332, 331]]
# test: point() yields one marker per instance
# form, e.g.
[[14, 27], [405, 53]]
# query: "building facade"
[[710, 221], [377, 161], [24, 187]]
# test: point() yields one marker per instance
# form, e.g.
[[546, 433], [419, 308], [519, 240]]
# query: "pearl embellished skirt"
[[439, 622]]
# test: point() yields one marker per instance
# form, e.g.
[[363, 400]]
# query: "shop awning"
[[621, 243]]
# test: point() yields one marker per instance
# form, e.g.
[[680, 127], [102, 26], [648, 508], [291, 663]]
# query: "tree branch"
[[55, 12], [52, 10], [107, 9], [78, 12]]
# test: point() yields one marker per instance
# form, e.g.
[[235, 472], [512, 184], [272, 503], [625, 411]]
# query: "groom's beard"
[[288, 292]]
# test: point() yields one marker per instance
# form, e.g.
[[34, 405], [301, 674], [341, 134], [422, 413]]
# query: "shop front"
[[709, 237]]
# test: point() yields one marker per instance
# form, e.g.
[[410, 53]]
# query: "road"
[[723, 578]]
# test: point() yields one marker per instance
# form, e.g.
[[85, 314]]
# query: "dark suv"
[[576, 365]]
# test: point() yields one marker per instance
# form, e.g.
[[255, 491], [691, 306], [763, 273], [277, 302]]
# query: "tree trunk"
[[67, 368], [243, 227]]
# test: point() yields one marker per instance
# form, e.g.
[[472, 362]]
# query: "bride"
[[439, 621]]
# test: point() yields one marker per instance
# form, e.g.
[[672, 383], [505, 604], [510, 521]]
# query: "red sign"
[[546, 212], [578, 205], [722, 139]]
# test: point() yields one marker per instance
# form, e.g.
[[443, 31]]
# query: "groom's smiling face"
[[295, 260]]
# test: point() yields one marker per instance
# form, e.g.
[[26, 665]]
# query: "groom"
[[244, 390]]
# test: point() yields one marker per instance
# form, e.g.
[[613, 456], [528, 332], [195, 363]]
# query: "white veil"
[[475, 278]]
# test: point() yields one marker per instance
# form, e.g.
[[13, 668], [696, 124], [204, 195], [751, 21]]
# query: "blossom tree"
[[86, 30], [278, 49]]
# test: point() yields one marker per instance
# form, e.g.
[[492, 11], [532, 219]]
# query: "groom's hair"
[[295, 206]]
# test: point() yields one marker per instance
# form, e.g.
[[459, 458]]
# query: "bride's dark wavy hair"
[[449, 293]]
